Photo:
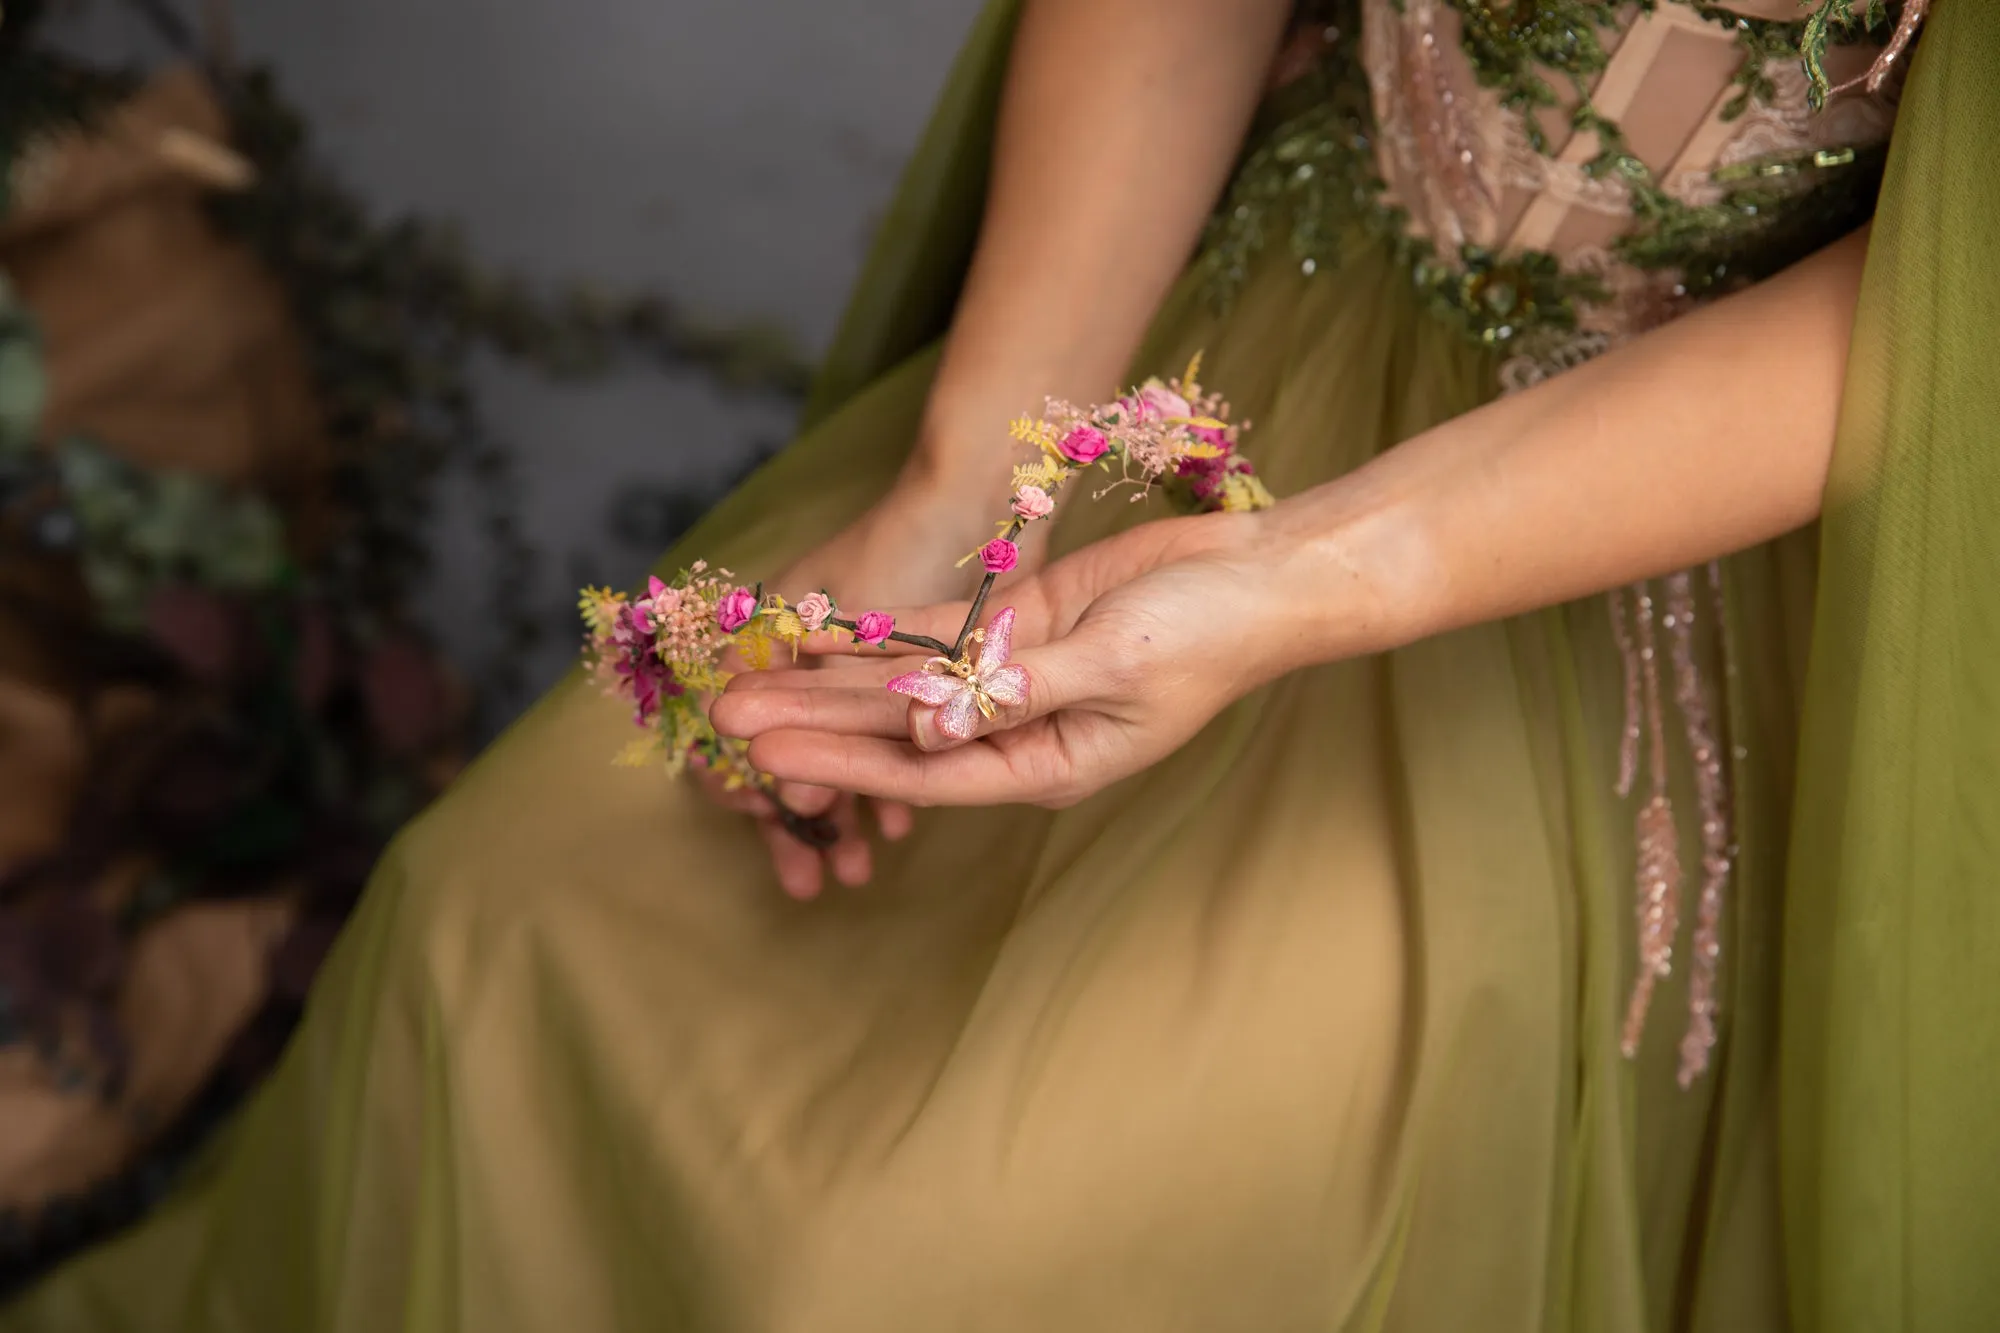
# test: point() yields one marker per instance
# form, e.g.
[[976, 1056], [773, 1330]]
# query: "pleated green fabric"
[[1892, 1006]]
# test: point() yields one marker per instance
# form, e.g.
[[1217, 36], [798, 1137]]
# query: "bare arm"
[[1699, 439], [1119, 124]]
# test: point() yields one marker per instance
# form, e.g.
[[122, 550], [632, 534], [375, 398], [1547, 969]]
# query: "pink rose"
[[999, 555], [1085, 444], [814, 608], [1033, 502], [874, 627], [735, 610], [1162, 401]]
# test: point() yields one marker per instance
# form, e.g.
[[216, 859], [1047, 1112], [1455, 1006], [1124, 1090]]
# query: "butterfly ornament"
[[963, 691]]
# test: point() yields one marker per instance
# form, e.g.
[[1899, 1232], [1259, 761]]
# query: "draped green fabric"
[[1891, 1037], [1313, 1026]]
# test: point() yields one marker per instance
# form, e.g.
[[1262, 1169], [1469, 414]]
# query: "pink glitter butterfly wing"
[[1005, 683], [958, 720], [1008, 686], [998, 644], [928, 687]]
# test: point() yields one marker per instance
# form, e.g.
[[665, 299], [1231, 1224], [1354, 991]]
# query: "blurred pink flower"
[[659, 603], [1162, 401], [198, 629]]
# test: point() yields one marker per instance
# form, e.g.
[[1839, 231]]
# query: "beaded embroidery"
[[1421, 117], [1396, 137]]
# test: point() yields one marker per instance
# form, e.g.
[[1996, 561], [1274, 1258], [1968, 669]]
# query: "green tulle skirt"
[[1313, 1026]]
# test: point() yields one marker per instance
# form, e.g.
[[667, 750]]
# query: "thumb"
[[1038, 682]]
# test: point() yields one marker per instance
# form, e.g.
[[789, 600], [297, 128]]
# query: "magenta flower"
[[814, 608], [1033, 502], [734, 610], [875, 627], [1212, 435], [650, 679], [631, 626], [1085, 444], [999, 555]]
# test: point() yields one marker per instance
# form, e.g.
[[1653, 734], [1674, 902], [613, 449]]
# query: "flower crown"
[[664, 651]]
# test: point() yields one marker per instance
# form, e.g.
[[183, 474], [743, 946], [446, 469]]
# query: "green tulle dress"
[[1314, 1026]]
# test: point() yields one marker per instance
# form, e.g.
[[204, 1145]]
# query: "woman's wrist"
[[963, 455], [1351, 571]]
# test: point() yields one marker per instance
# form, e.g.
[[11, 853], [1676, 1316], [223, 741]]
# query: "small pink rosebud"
[[814, 608], [999, 555], [1085, 444], [1033, 502], [875, 627], [735, 610]]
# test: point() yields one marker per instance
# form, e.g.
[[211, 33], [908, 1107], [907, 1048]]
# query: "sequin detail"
[[1704, 745], [1659, 876], [1422, 114], [1658, 907]]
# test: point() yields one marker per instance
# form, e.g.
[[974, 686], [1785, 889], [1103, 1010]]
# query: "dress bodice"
[[1557, 176], [1561, 173]]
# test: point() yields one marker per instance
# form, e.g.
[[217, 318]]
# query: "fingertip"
[[800, 876], [769, 753], [852, 862], [806, 799], [797, 866], [895, 819], [724, 716]]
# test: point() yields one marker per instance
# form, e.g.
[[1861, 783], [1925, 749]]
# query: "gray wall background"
[[731, 154]]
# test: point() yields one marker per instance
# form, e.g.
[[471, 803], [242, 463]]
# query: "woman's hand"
[[901, 551], [1130, 645]]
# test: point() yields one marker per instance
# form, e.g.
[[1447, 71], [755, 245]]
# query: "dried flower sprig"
[[664, 651]]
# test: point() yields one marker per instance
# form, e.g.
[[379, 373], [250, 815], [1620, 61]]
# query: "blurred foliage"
[[295, 714]]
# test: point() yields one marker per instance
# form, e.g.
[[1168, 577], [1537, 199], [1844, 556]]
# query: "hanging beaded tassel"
[[1659, 875], [1659, 871], [1712, 794]]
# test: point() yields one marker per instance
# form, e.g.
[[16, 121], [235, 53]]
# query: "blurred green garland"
[[301, 702]]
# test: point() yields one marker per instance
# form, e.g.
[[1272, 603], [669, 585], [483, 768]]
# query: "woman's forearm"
[[1699, 439], [1119, 124]]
